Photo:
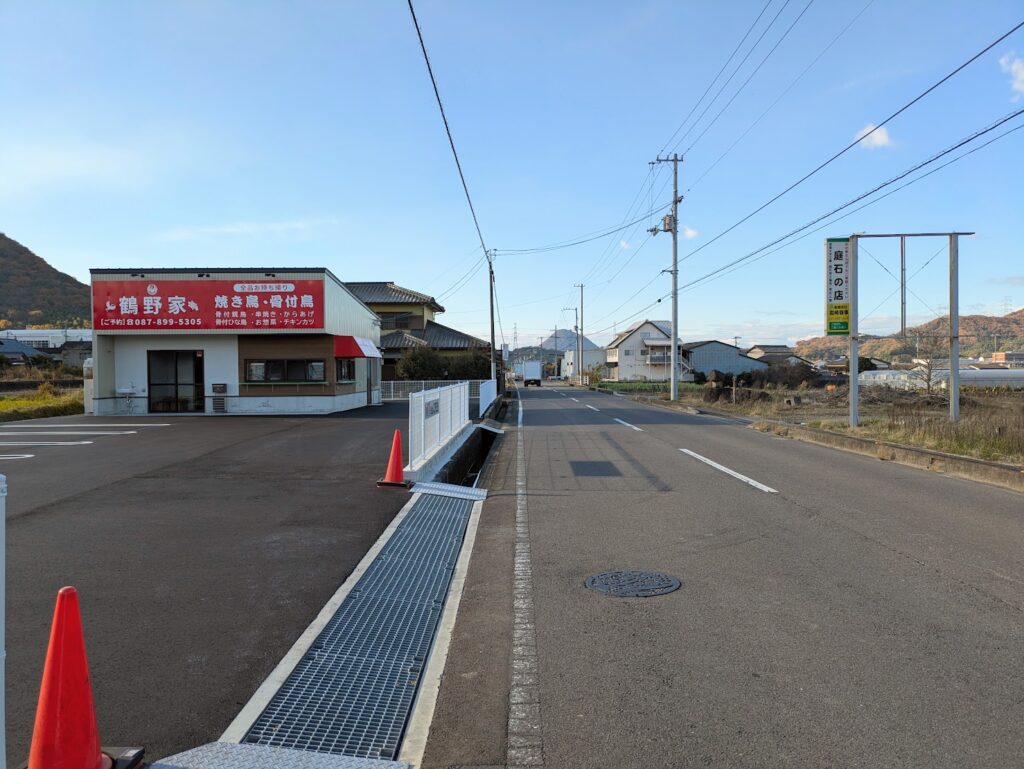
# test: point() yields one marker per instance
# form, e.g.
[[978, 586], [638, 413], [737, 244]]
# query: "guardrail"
[[434, 417], [401, 389], [488, 394]]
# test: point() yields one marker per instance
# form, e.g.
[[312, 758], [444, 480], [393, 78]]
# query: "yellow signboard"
[[838, 319]]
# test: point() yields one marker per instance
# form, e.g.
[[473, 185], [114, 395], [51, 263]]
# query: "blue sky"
[[306, 133]]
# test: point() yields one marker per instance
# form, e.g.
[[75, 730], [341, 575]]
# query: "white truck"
[[530, 372]]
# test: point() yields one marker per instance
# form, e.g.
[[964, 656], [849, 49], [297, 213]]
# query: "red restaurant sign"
[[208, 304]]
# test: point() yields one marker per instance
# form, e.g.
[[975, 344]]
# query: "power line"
[[729, 80], [715, 79], [870, 192], [749, 77], [570, 244], [779, 98], [739, 263], [447, 128], [854, 143], [707, 279]]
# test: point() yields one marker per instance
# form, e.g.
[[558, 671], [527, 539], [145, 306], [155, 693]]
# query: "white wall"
[[129, 368], [346, 316], [591, 358]]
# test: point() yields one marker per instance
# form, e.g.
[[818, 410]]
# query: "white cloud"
[[31, 168], [624, 244], [880, 137], [245, 229], [1013, 66], [689, 233]]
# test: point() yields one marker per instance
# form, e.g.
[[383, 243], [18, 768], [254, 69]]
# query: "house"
[[774, 354], [712, 355], [18, 353], [643, 352], [407, 321], [74, 353], [591, 359]]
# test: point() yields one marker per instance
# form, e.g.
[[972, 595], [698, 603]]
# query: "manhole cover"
[[632, 584]]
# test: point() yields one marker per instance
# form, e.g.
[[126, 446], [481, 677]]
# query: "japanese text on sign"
[[208, 304], [837, 286]]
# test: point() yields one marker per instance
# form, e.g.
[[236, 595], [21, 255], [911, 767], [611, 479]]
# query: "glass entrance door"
[[176, 381]]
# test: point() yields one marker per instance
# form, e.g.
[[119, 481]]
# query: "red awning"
[[355, 347]]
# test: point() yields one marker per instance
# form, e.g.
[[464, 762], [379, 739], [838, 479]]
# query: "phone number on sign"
[[149, 322]]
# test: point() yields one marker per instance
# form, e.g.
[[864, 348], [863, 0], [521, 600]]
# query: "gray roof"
[[435, 335], [12, 348], [663, 326], [386, 292]]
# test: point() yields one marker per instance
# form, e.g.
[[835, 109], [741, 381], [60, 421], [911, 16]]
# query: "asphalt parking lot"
[[200, 547]]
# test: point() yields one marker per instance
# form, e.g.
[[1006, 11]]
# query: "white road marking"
[[72, 432], [16, 456], [575, 399], [627, 424], [733, 473], [44, 443], [592, 408], [58, 425]]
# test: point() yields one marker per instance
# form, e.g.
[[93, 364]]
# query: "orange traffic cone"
[[394, 475], [65, 735]]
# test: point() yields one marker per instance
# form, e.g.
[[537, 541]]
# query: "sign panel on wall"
[[837, 286], [148, 305]]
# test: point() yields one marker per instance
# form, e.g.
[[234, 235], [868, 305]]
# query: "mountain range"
[[980, 336], [32, 293]]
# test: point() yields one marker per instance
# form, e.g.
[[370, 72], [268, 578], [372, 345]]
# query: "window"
[[643, 351], [390, 320], [346, 369], [627, 352], [284, 370]]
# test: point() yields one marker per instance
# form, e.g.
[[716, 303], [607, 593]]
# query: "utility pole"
[[490, 271], [736, 341], [576, 328], [515, 335], [671, 224], [579, 338]]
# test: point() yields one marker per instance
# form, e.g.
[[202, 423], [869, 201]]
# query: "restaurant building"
[[231, 341]]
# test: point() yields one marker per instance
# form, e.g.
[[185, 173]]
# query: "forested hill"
[[32, 293]]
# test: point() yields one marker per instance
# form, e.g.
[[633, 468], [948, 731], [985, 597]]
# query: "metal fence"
[[400, 390], [434, 416], [488, 394]]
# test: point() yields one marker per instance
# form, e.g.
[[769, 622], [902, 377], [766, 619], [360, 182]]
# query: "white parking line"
[[16, 456], [627, 424], [58, 425], [72, 432], [592, 408], [44, 443], [733, 473], [575, 399]]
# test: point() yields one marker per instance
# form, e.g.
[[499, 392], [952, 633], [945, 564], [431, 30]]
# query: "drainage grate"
[[353, 691], [632, 584]]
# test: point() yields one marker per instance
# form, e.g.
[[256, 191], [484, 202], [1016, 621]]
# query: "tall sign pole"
[[854, 338], [490, 271], [841, 303], [579, 339]]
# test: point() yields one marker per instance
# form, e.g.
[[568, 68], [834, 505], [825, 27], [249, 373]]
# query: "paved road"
[[201, 549], [844, 612]]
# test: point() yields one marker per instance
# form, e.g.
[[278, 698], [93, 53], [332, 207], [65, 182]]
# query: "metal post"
[[854, 339], [674, 386], [903, 286], [954, 328], [579, 362], [490, 270]]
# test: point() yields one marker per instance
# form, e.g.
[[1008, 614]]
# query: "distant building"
[[775, 354], [712, 355], [18, 353], [47, 338], [407, 321], [1013, 359], [591, 359], [643, 352]]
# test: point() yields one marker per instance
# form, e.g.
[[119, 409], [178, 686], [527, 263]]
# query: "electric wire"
[[715, 80], [854, 143], [779, 98], [745, 261], [749, 78]]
